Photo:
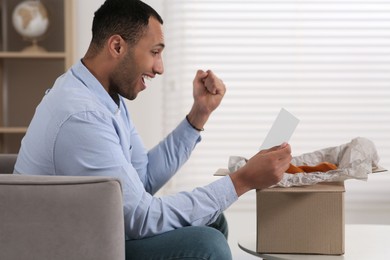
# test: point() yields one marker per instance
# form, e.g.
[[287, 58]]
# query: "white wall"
[[146, 110]]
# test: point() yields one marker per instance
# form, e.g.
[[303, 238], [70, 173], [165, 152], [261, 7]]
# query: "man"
[[82, 127]]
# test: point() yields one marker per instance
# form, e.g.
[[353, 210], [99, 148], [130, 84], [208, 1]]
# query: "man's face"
[[142, 61]]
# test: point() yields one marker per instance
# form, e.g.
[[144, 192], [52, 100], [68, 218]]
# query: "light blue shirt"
[[79, 130]]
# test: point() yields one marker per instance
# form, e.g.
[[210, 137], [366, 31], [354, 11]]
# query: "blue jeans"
[[189, 243]]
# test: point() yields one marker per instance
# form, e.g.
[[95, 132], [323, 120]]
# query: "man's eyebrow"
[[162, 45]]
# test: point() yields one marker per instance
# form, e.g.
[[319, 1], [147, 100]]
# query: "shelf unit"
[[25, 76]]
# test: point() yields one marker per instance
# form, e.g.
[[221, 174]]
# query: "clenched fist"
[[208, 91]]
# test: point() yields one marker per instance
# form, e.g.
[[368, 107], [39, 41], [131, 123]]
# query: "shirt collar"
[[81, 72]]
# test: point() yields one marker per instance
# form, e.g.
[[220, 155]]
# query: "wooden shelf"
[[25, 75], [13, 130], [34, 55]]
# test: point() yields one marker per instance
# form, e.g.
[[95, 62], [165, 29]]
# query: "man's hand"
[[263, 170], [208, 91]]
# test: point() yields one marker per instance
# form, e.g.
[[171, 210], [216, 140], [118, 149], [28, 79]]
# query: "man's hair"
[[127, 18]]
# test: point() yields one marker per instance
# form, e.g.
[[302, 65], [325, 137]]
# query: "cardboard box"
[[301, 220]]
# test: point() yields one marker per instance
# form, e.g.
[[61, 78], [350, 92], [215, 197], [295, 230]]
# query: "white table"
[[362, 242]]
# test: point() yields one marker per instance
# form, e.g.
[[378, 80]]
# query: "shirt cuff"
[[224, 191], [189, 132]]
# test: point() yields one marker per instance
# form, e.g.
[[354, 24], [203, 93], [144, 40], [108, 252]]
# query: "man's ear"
[[116, 45]]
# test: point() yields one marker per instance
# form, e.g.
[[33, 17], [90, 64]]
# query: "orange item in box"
[[321, 167]]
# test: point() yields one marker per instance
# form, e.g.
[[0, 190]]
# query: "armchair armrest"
[[58, 217]]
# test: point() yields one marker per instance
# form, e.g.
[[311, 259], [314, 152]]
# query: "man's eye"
[[155, 52]]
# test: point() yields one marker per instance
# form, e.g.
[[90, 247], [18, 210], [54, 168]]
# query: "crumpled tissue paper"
[[355, 160]]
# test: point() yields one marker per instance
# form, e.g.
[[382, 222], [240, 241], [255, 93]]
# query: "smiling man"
[[82, 128]]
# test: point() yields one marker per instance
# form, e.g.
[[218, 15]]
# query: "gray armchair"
[[56, 217]]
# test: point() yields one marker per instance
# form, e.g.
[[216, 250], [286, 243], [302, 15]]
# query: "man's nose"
[[158, 67]]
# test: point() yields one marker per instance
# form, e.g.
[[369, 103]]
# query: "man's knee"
[[211, 241]]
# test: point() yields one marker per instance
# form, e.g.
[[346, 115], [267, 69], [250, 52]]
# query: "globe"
[[31, 21]]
